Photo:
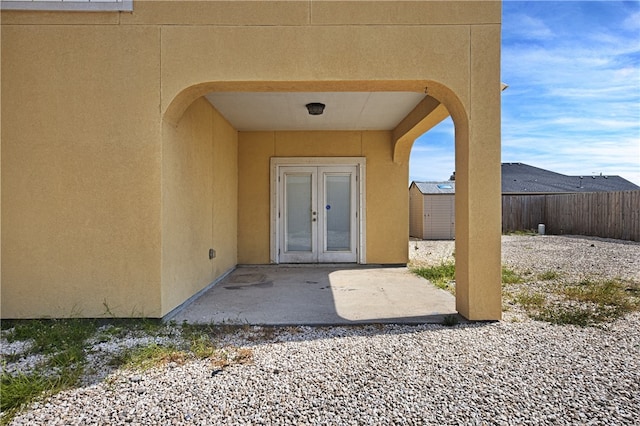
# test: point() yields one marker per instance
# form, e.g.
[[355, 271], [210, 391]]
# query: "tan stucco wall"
[[199, 204], [89, 100], [80, 171], [478, 186], [386, 202]]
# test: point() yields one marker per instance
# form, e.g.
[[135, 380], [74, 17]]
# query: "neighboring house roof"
[[518, 178], [448, 187]]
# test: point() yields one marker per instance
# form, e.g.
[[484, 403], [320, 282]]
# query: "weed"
[[549, 276], [224, 358], [199, 339], [510, 277], [153, 355], [243, 356], [202, 347], [442, 276], [614, 292], [50, 336], [20, 389], [268, 333], [569, 315], [450, 320], [63, 342], [586, 303], [531, 300]]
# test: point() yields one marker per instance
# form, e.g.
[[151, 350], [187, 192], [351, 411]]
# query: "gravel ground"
[[511, 372], [571, 259], [574, 256]]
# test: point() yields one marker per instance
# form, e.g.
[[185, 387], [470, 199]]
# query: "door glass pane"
[[298, 219], [338, 210]]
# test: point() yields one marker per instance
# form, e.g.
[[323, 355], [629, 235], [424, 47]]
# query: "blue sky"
[[573, 102]]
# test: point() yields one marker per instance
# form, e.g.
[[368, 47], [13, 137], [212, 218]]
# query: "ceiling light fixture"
[[315, 108]]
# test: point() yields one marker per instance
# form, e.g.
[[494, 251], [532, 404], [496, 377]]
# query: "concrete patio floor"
[[319, 295]]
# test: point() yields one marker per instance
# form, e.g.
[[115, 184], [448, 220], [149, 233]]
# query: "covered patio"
[[319, 295]]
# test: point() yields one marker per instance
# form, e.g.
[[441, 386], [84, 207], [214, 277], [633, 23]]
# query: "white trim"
[[324, 254], [73, 6], [283, 174], [360, 164]]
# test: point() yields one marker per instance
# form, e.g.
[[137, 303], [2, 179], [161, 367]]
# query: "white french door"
[[317, 214]]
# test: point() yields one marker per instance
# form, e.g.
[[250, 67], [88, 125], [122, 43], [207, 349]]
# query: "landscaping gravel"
[[575, 257], [512, 372]]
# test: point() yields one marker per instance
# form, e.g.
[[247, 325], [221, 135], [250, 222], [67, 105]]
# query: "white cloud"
[[632, 22], [573, 103], [574, 156], [433, 154], [528, 27]]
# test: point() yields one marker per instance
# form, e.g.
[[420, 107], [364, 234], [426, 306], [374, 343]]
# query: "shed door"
[[439, 221], [317, 214]]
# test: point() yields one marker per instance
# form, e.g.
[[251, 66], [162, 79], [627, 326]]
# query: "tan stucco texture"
[[118, 177], [199, 202], [386, 225], [80, 171]]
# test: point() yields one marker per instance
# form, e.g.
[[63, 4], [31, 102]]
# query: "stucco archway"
[[477, 165], [477, 254]]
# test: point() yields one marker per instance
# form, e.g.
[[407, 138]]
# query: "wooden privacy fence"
[[601, 214]]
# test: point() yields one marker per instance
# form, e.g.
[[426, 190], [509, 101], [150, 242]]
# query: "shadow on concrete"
[[320, 295]]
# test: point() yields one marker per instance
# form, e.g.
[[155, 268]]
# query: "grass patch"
[[21, 389], [614, 292], [199, 339], [581, 316], [153, 355], [53, 336], [64, 345], [201, 343], [531, 301], [586, 303], [549, 276], [510, 277], [63, 341], [442, 276]]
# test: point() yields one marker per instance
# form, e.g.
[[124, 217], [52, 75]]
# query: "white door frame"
[[358, 162]]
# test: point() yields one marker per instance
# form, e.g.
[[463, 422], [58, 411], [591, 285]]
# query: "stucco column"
[[478, 184]]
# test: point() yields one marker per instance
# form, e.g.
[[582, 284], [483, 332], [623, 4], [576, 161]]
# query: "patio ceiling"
[[252, 111]]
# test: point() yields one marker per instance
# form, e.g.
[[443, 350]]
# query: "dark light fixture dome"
[[315, 108]]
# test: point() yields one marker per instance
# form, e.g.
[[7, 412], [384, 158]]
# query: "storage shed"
[[432, 210]]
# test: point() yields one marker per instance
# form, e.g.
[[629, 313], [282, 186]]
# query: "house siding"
[[111, 159]]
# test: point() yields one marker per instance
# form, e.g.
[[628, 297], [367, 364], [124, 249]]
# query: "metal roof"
[[519, 178], [448, 187]]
